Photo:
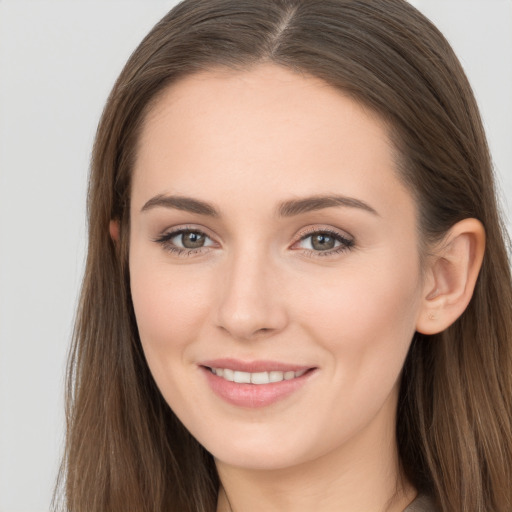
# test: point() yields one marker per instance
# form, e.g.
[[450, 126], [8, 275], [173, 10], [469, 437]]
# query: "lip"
[[251, 395], [254, 366]]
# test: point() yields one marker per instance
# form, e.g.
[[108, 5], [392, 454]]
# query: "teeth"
[[228, 374], [242, 377], [256, 378], [259, 378], [275, 376]]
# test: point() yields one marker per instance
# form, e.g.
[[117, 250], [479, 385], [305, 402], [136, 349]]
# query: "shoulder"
[[422, 504]]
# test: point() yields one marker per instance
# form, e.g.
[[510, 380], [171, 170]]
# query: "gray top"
[[421, 504]]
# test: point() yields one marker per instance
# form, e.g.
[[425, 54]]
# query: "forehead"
[[225, 133]]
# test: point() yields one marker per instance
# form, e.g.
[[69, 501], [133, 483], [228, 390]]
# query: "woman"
[[297, 293]]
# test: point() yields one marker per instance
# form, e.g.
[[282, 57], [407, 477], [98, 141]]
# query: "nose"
[[251, 303]]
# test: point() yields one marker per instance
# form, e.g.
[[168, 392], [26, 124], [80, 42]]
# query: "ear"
[[114, 231], [451, 276]]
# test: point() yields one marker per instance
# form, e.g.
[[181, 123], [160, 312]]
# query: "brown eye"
[[185, 241], [322, 242], [192, 239]]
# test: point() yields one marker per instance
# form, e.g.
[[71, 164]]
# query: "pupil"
[[192, 240], [323, 242]]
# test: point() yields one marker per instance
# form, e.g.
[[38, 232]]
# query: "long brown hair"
[[126, 450]]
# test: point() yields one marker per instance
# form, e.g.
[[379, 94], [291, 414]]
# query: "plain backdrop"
[[58, 61]]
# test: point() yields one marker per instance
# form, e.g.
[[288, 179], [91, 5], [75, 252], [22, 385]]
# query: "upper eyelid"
[[187, 227], [300, 233], [324, 229]]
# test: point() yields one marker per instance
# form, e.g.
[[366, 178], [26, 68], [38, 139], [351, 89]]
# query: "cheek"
[[365, 316], [364, 321], [170, 308]]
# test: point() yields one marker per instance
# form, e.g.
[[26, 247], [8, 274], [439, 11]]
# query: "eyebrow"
[[181, 203], [314, 203], [288, 208]]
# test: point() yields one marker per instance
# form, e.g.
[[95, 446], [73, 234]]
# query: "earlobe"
[[453, 272], [114, 231]]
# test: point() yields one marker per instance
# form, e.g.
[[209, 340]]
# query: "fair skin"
[[337, 290]]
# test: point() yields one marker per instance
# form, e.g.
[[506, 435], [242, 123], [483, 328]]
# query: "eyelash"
[[345, 243], [165, 241]]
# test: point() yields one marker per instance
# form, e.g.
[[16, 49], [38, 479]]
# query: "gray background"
[[58, 61]]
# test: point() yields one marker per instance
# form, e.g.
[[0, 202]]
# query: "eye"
[[189, 239], [324, 242], [185, 241], [320, 242]]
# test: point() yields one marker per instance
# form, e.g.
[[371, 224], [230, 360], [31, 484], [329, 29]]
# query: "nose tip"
[[248, 326], [251, 305]]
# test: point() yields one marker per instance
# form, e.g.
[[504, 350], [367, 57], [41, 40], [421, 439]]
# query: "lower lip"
[[254, 395]]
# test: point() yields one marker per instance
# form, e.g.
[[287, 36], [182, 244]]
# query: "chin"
[[266, 452], [258, 461]]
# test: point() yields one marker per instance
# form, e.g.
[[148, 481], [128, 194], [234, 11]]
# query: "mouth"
[[257, 378], [255, 384]]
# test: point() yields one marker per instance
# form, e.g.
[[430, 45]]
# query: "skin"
[[245, 142]]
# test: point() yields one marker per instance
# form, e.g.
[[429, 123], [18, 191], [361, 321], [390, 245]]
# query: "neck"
[[362, 475]]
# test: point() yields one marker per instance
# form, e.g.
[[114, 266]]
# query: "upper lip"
[[254, 366]]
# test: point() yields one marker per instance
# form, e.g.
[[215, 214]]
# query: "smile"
[[257, 378], [255, 384]]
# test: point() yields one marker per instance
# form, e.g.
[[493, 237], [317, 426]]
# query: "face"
[[274, 265]]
